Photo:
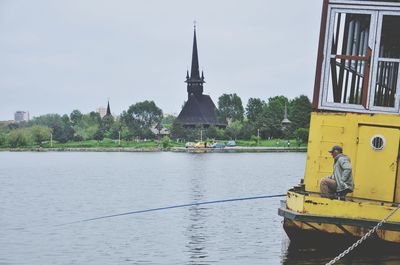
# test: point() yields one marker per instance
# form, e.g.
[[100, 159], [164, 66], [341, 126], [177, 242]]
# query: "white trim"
[[349, 109], [376, 11], [365, 3], [376, 61], [383, 142], [324, 87]]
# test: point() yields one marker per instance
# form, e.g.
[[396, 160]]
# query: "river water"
[[41, 191]]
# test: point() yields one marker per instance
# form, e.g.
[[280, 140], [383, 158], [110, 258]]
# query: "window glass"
[[387, 71], [390, 37], [349, 59]]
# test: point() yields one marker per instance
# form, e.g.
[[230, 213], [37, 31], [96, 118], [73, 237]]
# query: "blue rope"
[[177, 206]]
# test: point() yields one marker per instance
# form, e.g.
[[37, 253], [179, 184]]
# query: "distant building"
[[159, 130], [6, 122], [104, 111], [20, 116], [199, 109]]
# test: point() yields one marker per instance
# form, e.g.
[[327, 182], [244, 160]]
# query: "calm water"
[[38, 191]]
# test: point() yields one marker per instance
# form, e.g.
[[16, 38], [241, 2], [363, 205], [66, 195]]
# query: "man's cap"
[[336, 148]]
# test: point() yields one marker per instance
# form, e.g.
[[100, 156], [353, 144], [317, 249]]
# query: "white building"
[[20, 116], [102, 111]]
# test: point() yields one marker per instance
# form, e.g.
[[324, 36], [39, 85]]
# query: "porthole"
[[378, 142]]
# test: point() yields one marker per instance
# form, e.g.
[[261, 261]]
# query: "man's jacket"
[[342, 173]]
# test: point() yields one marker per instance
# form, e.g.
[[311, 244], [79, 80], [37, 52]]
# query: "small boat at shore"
[[356, 106]]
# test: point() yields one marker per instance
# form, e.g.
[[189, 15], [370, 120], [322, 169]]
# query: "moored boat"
[[356, 106]]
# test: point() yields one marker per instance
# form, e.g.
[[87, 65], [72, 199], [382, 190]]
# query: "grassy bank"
[[150, 144]]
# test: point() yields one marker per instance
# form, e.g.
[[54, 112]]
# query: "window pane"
[[386, 83], [390, 38], [346, 81], [349, 54], [350, 34]]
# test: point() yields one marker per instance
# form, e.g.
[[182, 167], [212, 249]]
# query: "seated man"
[[341, 181]]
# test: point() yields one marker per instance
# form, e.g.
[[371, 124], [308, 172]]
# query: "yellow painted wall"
[[397, 191], [315, 205], [329, 129]]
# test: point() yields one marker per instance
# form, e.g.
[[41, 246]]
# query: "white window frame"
[[376, 60], [377, 12]]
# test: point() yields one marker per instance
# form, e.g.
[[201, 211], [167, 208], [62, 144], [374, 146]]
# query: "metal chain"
[[362, 239]]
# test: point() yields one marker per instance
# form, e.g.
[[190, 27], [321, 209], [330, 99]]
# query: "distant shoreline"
[[238, 149]]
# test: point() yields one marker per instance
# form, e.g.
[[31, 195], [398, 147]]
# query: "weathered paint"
[[356, 231], [397, 189], [375, 171], [355, 209]]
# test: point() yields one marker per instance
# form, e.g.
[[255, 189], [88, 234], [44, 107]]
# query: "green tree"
[[98, 135], [254, 112], [114, 131], [126, 134], [75, 117], [107, 122], [167, 121], [18, 138], [233, 130], [301, 135], [273, 115], [3, 139], [60, 125], [40, 134], [230, 107], [141, 116], [95, 116], [212, 132], [300, 112], [247, 130], [166, 142], [48, 120], [178, 131], [88, 125]]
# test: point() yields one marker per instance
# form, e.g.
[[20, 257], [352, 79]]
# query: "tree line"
[[259, 119]]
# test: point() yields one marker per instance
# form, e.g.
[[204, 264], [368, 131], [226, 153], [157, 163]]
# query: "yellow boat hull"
[[309, 217]]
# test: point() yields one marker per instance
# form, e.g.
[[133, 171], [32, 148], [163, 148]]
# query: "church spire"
[[195, 81], [194, 73], [108, 108]]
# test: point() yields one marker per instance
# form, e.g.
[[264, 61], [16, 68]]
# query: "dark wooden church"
[[199, 109]]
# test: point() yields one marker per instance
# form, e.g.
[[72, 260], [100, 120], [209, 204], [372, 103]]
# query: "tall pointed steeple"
[[195, 82], [194, 71], [108, 108], [285, 120]]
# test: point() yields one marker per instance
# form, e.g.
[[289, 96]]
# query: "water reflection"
[[196, 235], [196, 230]]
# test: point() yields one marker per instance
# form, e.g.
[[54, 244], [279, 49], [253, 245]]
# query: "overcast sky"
[[57, 56]]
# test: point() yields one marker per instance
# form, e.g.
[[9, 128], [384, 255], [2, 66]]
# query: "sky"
[[57, 56]]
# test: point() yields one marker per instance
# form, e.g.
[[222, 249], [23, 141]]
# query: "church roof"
[[199, 110]]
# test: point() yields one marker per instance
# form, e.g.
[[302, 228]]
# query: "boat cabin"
[[359, 56], [356, 106], [356, 97]]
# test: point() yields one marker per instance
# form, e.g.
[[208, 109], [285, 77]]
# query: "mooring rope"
[[176, 206], [366, 236]]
